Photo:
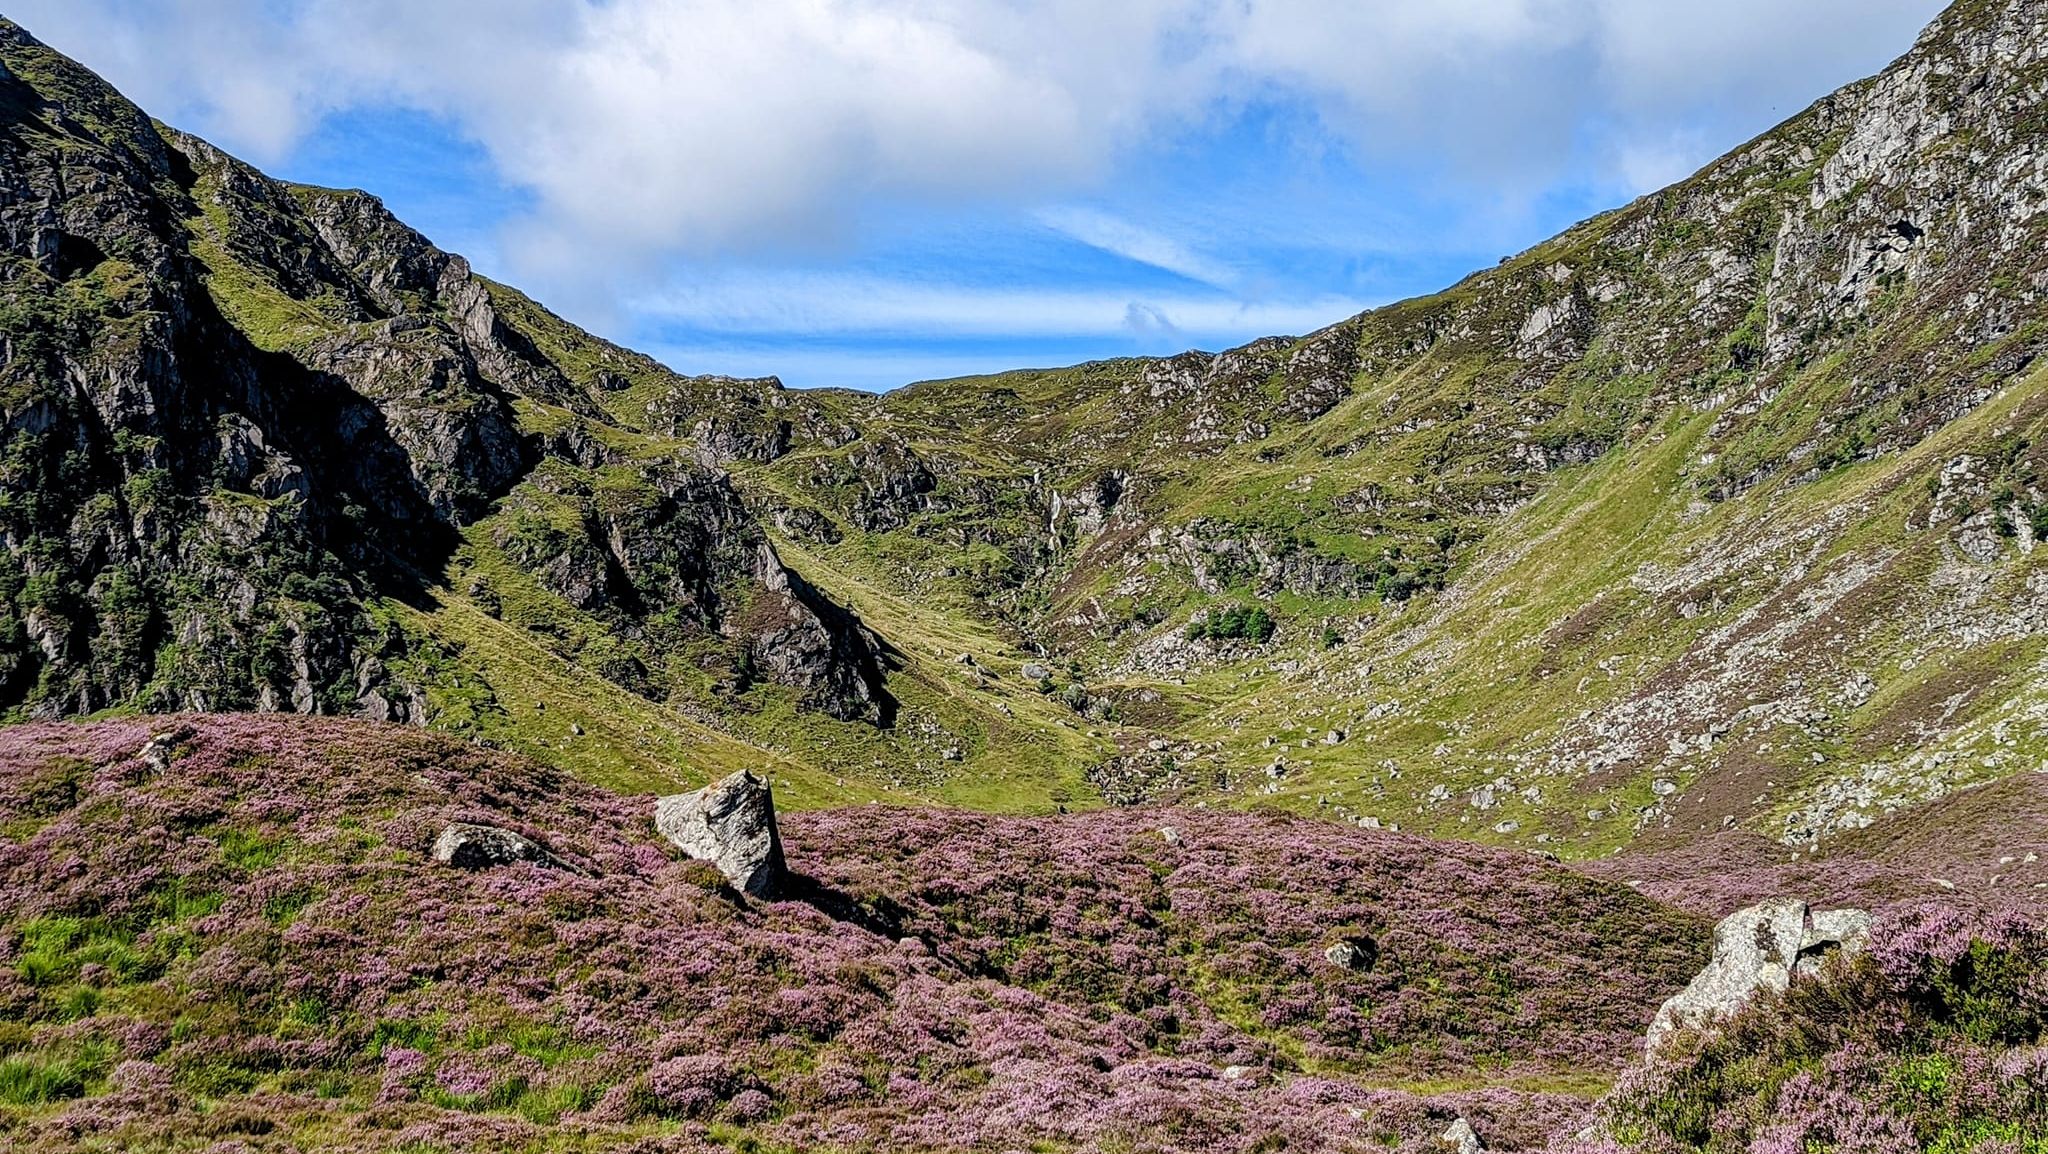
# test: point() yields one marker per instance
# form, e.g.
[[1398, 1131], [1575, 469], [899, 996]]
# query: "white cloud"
[[647, 126], [645, 130]]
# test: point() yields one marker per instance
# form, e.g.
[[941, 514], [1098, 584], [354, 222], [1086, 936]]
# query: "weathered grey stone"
[[1829, 932], [1757, 949], [731, 824], [1461, 1139], [1353, 954], [466, 845], [160, 749], [1754, 949]]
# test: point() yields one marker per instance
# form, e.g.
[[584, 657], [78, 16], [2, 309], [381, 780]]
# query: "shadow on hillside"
[[881, 917]]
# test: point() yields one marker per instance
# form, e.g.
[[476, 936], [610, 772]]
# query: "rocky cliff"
[[242, 418]]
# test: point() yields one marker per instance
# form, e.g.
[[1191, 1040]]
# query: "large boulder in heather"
[[1757, 950], [731, 824]]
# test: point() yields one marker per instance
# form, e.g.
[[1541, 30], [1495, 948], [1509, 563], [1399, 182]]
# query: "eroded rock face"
[[281, 404], [1758, 950], [731, 824]]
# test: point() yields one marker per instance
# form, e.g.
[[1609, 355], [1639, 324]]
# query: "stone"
[[1461, 1139], [1035, 672], [468, 845], [1170, 834], [731, 824], [1757, 950], [158, 752], [1353, 954], [1829, 932]]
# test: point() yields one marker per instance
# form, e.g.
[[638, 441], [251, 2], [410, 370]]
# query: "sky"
[[866, 193]]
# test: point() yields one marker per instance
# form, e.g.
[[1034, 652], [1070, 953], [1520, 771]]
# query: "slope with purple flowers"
[[243, 935]]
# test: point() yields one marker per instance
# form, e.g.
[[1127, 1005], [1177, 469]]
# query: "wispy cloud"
[[837, 304], [1118, 237]]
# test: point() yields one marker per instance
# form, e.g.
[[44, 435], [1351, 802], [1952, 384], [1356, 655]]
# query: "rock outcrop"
[[1758, 950], [251, 412], [731, 824], [1353, 954]]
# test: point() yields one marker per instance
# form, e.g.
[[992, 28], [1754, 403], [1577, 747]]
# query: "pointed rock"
[[731, 824], [1756, 950]]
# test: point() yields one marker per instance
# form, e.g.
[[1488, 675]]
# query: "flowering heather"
[[252, 944], [246, 947], [1981, 849]]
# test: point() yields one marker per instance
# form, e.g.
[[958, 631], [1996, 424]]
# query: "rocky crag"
[[242, 416]]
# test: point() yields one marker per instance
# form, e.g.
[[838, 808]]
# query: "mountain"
[[247, 420], [1719, 511]]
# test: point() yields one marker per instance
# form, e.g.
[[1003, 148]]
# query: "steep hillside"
[[1718, 512]]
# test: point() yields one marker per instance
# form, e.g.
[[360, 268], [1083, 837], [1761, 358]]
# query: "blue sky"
[[871, 192]]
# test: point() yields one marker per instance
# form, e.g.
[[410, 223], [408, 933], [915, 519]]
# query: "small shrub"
[[1239, 622]]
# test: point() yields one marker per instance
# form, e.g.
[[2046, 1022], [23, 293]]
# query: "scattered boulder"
[[1461, 1139], [1353, 954], [467, 845], [1033, 671], [157, 752], [1755, 950], [731, 824], [1170, 834]]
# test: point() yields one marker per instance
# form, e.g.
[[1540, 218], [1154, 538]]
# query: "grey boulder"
[[1758, 950], [1353, 954], [1460, 1139], [466, 845], [731, 824]]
